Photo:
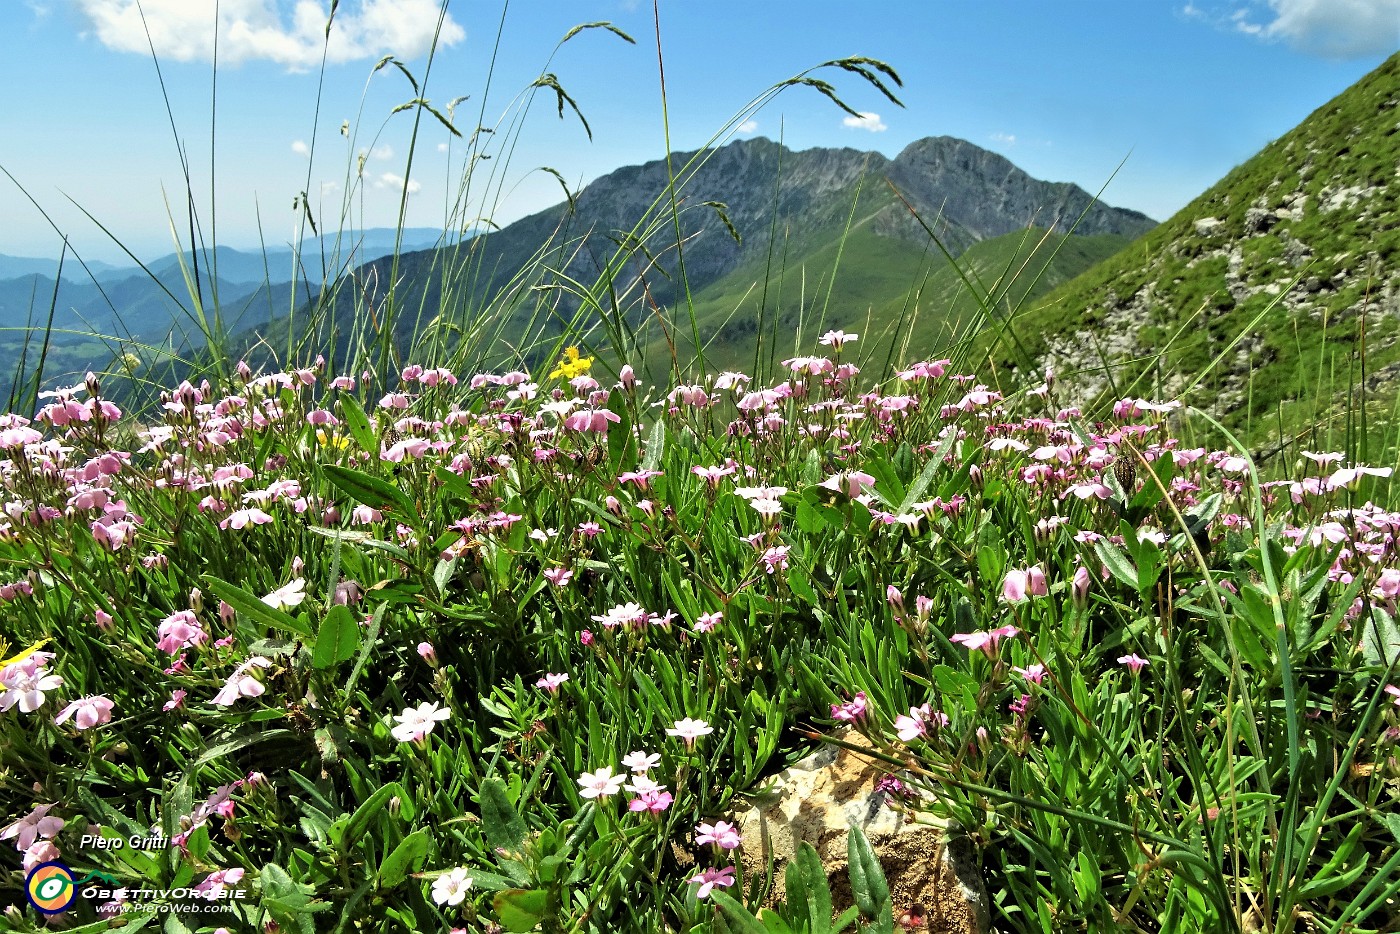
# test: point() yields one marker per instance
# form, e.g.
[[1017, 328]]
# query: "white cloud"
[[1338, 29], [748, 126], [1007, 138], [329, 187], [289, 32], [300, 148], [442, 147], [384, 152], [390, 180], [866, 121]]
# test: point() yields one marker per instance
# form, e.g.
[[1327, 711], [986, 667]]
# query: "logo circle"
[[50, 887]]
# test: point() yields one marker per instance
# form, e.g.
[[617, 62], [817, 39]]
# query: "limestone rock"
[[932, 870]]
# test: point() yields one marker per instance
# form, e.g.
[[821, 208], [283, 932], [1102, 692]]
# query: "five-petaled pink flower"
[[86, 712], [1393, 691], [24, 683], [711, 878], [721, 834], [551, 681], [985, 642], [36, 825], [1034, 673], [1134, 661]]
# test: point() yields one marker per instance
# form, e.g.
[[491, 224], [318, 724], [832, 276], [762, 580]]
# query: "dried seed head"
[[1125, 469]]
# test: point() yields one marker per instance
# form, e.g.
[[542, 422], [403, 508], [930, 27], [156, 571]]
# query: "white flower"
[[600, 784], [417, 723], [690, 730], [641, 761], [451, 889], [288, 595]]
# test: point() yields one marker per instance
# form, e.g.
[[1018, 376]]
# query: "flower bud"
[[1079, 587]]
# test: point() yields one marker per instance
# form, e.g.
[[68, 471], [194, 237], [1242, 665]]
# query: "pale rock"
[[930, 869]]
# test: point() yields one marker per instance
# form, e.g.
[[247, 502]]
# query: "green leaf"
[[369, 810], [371, 490], [814, 888], [253, 608], [338, 639], [405, 858], [1117, 563], [740, 919], [868, 887], [1380, 639], [503, 826], [622, 441], [656, 445], [359, 425], [520, 909]]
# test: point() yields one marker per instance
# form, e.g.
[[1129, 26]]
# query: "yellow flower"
[[572, 365], [5, 647], [331, 439]]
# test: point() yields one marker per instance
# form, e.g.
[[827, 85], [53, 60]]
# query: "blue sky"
[[1067, 89]]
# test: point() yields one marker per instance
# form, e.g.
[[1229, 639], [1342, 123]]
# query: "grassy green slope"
[[1261, 282], [880, 287]]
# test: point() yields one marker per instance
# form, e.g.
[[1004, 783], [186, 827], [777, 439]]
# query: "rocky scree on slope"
[[1306, 234]]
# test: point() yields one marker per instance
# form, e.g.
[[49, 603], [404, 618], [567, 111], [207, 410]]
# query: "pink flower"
[[559, 577], [427, 653], [985, 642], [721, 834], [1393, 691], [365, 515], [177, 699], [1134, 661], [775, 559], [241, 683], [852, 483], [103, 621], [1018, 584], [913, 726], [600, 784], [551, 682], [851, 711], [179, 631], [653, 802], [37, 824], [243, 518], [25, 683], [711, 878], [1034, 674], [707, 621], [592, 420], [41, 852], [87, 712]]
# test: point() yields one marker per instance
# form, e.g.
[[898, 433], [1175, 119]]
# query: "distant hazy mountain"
[[103, 310]]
